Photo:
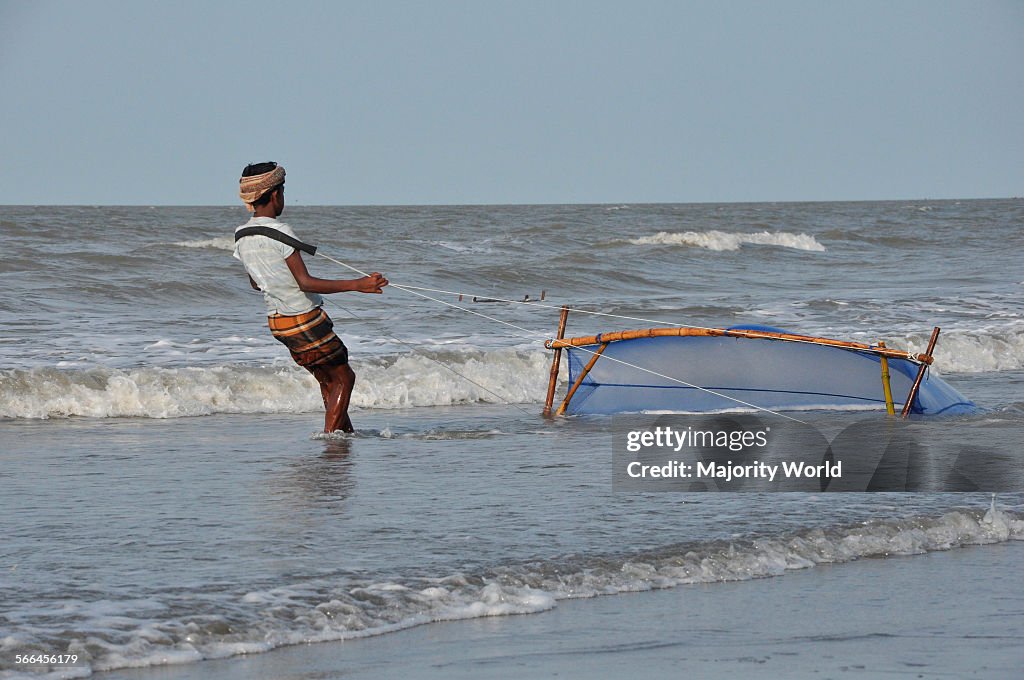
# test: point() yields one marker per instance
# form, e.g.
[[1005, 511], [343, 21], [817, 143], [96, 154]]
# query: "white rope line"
[[696, 387], [501, 399], [545, 336], [547, 306], [754, 333], [535, 334], [518, 302]]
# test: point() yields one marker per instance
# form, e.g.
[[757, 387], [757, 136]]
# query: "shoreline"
[[870, 617]]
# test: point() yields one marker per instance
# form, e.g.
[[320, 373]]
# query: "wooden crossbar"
[[683, 331]]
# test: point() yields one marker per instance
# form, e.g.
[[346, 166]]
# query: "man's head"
[[261, 188]]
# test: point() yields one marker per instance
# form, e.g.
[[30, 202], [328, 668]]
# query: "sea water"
[[164, 496]]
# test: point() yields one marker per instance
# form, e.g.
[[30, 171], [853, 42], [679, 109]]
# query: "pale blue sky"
[[482, 101]]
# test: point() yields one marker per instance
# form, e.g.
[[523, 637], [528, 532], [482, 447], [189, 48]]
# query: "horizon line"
[[505, 205]]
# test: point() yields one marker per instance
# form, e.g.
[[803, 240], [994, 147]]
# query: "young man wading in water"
[[293, 296]]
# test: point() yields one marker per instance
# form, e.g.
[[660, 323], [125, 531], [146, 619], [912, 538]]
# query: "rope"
[[696, 387], [408, 289], [443, 302], [436, 361], [411, 289]]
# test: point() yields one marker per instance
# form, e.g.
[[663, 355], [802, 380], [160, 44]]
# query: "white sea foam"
[[408, 380], [219, 243], [515, 375], [478, 247], [325, 610], [974, 351], [721, 240]]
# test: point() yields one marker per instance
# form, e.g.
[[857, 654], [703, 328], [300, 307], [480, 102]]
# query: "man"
[[294, 305]]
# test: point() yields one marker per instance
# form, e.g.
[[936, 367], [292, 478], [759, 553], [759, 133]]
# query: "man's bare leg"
[[343, 379], [323, 378]]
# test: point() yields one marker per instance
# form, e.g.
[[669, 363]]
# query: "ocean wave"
[[721, 240], [143, 632], [501, 376], [975, 351], [495, 376]]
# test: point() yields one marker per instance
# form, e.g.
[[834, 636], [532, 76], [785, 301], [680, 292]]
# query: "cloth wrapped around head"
[[251, 188]]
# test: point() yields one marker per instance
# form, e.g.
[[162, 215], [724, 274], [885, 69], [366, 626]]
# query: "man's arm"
[[311, 284]]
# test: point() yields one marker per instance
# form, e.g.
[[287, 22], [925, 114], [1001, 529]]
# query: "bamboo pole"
[[555, 361], [886, 386], [684, 331], [579, 379], [920, 374]]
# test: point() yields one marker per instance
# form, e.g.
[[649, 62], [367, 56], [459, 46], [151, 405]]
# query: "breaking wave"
[[406, 380], [502, 376], [140, 632], [721, 240], [961, 351]]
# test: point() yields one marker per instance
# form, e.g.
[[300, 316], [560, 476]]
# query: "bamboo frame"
[[684, 331], [920, 374], [555, 361], [579, 379], [890, 408]]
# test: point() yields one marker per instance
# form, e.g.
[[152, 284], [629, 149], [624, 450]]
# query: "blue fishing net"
[[696, 374]]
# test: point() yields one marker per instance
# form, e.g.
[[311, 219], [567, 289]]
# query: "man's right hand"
[[372, 283]]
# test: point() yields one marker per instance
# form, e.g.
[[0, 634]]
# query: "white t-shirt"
[[263, 258]]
